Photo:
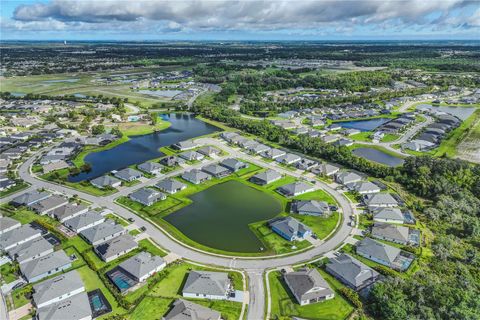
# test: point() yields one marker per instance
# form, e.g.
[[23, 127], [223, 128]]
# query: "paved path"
[[20, 312], [254, 266]]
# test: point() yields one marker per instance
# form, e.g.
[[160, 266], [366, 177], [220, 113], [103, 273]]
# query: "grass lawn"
[[151, 308], [284, 305], [389, 137], [6, 271], [61, 176], [365, 222], [117, 219], [141, 128], [273, 242], [26, 216], [19, 186], [92, 281], [78, 243], [362, 136], [147, 245], [319, 195], [162, 207], [321, 226], [134, 232], [19, 298]]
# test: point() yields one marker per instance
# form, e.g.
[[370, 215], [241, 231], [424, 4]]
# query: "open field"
[[469, 146]]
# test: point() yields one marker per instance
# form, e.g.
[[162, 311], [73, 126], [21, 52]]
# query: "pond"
[[161, 93], [378, 156], [70, 80], [145, 147], [364, 125], [460, 112], [219, 216]]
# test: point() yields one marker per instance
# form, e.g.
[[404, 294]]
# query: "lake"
[[378, 156], [145, 147], [71, 80], [219, 216], [161, 93], [364, 125], [460, 112]]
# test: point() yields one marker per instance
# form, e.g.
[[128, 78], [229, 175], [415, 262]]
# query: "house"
[[57, 289], [186, 310], [384, 254], [258, 148], [84, 221], [310, 207], [351, 272], [228, 136], [306, 164], [347, 177], [76, 307], [379, 200], [207, 284], [390, 215], [266, 177], [105, 181], [128, 174], [191, 156], [171, 161], [17, 236], [233, 164], [330, 138], [326, 169], [49, 204], [288, 159], [142, 266], [29, 198], [8, 224], [102, 232], [295, 189], [343, 142], [7, 184], [308, 286], [69, 211], [195, 176], [290, 228], [184, 145], [30, 250], [53, 166], [209, 151], [45, 266], [273, 153], [147, 196], [116, 247], [363, 187], [216, 170], [170, 186], [397, 234], [150, 167]]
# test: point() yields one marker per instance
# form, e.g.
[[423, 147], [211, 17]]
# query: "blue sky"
[[239, 20]]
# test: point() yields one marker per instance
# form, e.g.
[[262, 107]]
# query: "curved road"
[[254, 267]]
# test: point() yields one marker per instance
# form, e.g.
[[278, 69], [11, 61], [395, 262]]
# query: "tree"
[[98, 129]]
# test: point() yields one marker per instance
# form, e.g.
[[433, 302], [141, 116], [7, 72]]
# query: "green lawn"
[[26, 216], [137, 128], [134, 232], [319, 195], [151, 308], [284, 306], [61, 176], [117, 219], [19, 298], [7, 272], [19, 186], [321, 226], [389, 137], [362, 136], [274, 243], [147, 245]]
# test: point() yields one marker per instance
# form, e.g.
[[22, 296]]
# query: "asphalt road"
[[254, 267]]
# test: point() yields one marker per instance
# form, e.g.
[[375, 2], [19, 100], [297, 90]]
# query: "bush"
[[385, 271], [352, 296]]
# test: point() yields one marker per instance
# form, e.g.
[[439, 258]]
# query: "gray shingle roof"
[[215, 169], [170, 185], [56, 287], [307, 284], [83, 220], [209, 283], [195, 175], [378, 250], [350, 270], [388, 213], [290, 226], [44, 264], [142, 264], [295, 188], [116, 245], [127, 174], [30, 249], [76, 307], [146, 195], [379, 199], [17, 235], [311, 206], [150, 166], [30, 197], [268, 176], [390, 231], [49, 203], [101, 231], [105, 180], [7, 223], [68, 210], [186, 310]]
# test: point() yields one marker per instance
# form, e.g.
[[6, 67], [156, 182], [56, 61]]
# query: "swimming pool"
[[120, 279]]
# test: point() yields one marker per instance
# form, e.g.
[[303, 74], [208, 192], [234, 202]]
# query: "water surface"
[[145, 147], [161, 93], [378, 156], [219, 216], [460, 112], [71, 80], [364, 125]]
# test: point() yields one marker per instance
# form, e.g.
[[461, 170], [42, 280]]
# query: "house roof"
[[105, 180], [313, 206], [348, 176], [399, 233], [191, 155], [116, 245], [378, 250], [379, 199], [268, 175], [195, 175], [49, 262], [232, 163], [215, 169], [351, 270], [290, 226], [30, 197], [83, 220], [14, 236], [295, 187], [150, 166], [68, 210], [57, 287], [207, 282], [29, 249], [76, 307], [142, 264], [170, 184], [208, 150], [363, 186], [7, 223], [147, 195], [388, 213], [127, 173], [186, 310], [49, 203], [101, 231], [307, 284], [273, 153]]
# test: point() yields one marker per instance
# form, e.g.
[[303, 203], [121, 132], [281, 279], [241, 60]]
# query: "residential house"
[[233, 164], [142, 266], [147, 196], [195, 176], [57, 289], [306, 164], [171, 161], [326, 169], [390, 215], [273, 153], [76, 307], [384, 254], [29, 198], [288, 159], [128, 174], [49, 204], [69, 211], [379, 200], [266, 177], [30, 250], [290, 228], [106, 181], [116, 247], [347, 177], [170, 186], [216, 170], [209, 151], [84, 221], [258, 148], [186, 310], [310, 207], [150, 167], [184, 145], [308, 286], [102, 232], [351, 272], [17, 236], [397, 234], [45, 266], [54, 166], [8, 224], [295, 188], [207, 284], [191, 156], [363, 187]]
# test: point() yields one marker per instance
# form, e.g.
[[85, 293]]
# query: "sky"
[[142, 20]]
